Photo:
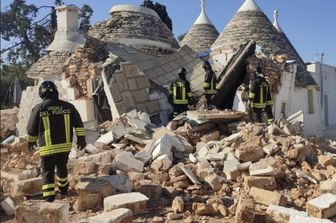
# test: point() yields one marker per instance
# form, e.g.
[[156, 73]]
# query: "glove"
[[32, 146], [81, 145]]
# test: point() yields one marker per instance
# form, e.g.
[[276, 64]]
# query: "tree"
[[180, 37], [28, 30], [161, 11]]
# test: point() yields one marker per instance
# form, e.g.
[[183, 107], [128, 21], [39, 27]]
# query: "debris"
[[245, 211], [8, 206], [322, 207], [267, 197], [30, 187], [178, 205], [134, 201], [115, 216], [282, 214], [125, 161], [41, 212]]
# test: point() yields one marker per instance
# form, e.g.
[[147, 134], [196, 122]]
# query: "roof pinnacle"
[[276, 21]]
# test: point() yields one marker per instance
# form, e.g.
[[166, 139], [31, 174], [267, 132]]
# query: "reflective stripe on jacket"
[[210, 82], [51, 124], [260, 93], [180, 92]]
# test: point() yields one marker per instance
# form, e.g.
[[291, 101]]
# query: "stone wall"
[[200, 37], [133, 25]]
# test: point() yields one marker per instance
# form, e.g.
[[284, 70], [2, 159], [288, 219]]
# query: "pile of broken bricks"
[[184, 172]]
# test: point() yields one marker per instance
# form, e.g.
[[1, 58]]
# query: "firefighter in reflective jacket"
[[51, 125], [209, 84], [180, 95], [260, 97]]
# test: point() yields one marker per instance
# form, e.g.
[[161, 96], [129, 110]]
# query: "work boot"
[[50, 199]]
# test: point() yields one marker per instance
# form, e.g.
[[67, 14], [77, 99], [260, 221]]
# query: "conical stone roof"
[[250, 23], [202, 34], [135, 26]]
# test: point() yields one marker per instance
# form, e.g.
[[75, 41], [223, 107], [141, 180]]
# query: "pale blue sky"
[[309, 24]]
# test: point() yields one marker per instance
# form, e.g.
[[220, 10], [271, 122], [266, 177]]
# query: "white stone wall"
[[296, 99], [329, 88]]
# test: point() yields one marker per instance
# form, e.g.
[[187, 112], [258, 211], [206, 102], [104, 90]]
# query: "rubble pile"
[[84, 64], [272, 66], [191, 170], [9, 118]]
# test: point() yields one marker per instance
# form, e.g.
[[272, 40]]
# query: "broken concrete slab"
[[30, 187], [300, 219], [267, 197], [120, 182], [267, 183], [271, 148], [245, 211], [322, 207], [42, 212], [106, 138], [92, 191], [135, 201], [276, 213], [264, 167], [121, 215], [125, 161], [8, 206], [190, 175]]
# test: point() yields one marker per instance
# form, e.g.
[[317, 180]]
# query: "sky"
[[309, 24]]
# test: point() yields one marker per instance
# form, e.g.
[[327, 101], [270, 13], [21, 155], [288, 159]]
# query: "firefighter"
[[209, 84], [180, 95], [51, 125], [260, 97]]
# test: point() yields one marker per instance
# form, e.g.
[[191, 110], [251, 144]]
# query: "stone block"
[[322, 207], [16, 175], [264, 167], [162, 163], [120, 182], [128, 101], [8, 206], [267, 197], [130, 70], [267, 183], [279, 214], [135, 201], [190, 175], [326, 160], [85, 108], [121, 81], [271, 148], [143, 82], [140, 96], [300, 219], [126, 162], [85, 168], [92, 191], [121, 215], [178, 205], [245, 211], [30, 187], [214, 181], [212, 136], [328, 186], [153, 106], [152, 191], [104, 157], [34, 211], [91, 149], [132, 84], [106, 138]]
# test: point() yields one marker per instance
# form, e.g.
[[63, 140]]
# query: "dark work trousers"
[[269, 114], [208, 98], [178, 109], [49, 163], [258, 114]]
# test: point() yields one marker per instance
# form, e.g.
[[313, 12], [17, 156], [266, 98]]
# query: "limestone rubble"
[[247, 173]]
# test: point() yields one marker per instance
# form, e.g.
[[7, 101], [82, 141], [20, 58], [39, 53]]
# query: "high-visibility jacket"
[[210, 82], [51, 124], [180, 92], [260, 92]]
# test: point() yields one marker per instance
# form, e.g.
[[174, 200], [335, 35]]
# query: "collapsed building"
[[128, 61]]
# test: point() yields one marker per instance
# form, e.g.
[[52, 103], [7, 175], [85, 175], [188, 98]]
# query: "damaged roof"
[[202, 34], [162, 70], [50, 65], [135, 26], [250, 23]]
